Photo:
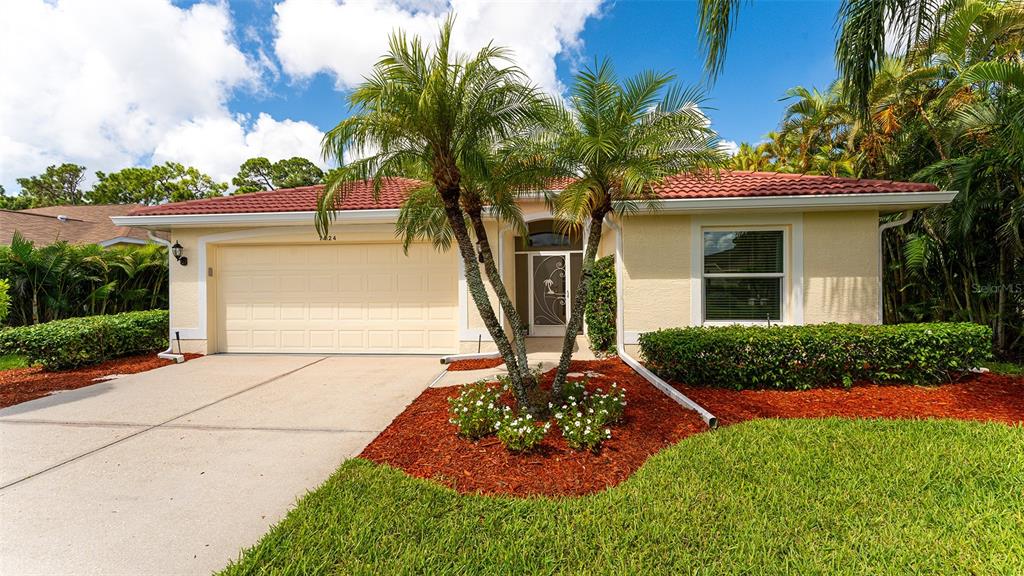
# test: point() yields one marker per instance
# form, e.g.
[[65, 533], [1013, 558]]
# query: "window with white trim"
[[743, 275]]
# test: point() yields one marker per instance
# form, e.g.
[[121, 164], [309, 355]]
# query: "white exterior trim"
[[122, 240], [793, 227]]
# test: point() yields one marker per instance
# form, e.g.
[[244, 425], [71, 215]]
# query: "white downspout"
[[167, 354], [907, 215], [620, 341]]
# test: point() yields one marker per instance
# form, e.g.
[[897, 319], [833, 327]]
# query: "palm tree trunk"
[[572, 328], [498, 284], [525, 394]]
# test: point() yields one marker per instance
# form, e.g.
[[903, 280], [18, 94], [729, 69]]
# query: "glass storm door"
[[549, 304]]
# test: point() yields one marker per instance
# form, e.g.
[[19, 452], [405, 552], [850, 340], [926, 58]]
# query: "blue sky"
[[778, 44], [209, 83]]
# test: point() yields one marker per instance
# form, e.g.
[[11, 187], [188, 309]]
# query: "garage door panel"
[[336, 298], [323, 311], [292, 311]]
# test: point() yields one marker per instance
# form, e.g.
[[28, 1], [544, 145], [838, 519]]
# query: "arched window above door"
[[545, 235]]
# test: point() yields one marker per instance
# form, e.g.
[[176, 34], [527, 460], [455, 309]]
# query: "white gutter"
[[902, 200], [881, 253], [620, 331], [167, 354]]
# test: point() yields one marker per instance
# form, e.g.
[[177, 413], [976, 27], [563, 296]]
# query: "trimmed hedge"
[[802, 357], [64, 344], [600, 310]]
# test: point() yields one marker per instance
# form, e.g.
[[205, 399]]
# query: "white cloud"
[[730, 147], [217, 145], [105, 83], [346, 38]]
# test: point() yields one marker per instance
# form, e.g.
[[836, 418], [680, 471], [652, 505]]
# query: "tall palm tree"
[[618, 139], [427, 108], [866, 27]]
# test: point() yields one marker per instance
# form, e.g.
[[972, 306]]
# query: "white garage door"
[[336, 298]]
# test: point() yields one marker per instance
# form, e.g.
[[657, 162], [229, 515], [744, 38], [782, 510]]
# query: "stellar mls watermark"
[[996, 288]]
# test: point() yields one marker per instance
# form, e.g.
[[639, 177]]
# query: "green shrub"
[[582, 428], [584, 415], [600, 310], [476, 409], [64, 344], [5, 300], [520, 433], [801, 357]]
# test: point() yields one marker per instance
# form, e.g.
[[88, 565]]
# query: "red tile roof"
[[394, 191]]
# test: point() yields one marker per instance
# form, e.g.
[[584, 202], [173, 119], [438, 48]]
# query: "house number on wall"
[[328, 238]]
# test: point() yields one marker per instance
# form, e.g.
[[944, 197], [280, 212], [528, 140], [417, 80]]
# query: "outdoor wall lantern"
[[176, 250]]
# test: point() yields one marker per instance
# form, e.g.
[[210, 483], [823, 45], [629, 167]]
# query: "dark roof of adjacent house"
[[729, 184], [81, 224]]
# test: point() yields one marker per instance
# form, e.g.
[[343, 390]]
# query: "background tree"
[[19, 202], [618, 139], [62, 280], [426, 109], [168, 182], [865, 28], [257, 174], [950, 110], [56, 185]]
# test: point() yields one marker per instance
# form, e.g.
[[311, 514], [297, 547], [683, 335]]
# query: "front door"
[[549, 302]]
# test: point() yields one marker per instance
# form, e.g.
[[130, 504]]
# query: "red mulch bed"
[[478, 364], [423, 443], [24, 384], [986, 397]]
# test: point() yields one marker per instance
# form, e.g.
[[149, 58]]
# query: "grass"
[[12, 361], [1006, 368], [764, 497]]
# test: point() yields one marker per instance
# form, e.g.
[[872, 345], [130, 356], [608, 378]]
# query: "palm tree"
[[426, 109], [865, 28], [618, 140], [818, 123]]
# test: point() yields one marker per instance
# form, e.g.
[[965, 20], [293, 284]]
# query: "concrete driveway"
[[173, 471]]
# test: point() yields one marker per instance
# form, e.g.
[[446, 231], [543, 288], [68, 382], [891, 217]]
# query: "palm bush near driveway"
[[64, 344], [62, 280], [802, 357], [766, 497]]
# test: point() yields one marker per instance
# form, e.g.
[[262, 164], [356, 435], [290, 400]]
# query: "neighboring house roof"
[[394, 190], [85, 224]]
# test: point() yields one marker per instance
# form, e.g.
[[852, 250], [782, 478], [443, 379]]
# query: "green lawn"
[[12, 361], [764, 497], [1006, 368]]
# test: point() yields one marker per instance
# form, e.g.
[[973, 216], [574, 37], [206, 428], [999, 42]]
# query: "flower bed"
[[423, 443], [24, 384]]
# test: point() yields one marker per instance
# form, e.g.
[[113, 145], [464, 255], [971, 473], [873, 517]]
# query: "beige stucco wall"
[[656, 278], [841, 254], [839, 278]]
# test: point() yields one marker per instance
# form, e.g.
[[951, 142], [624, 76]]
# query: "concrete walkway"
[[173, 471]]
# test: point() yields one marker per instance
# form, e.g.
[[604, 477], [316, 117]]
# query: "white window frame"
[[791, 226], [780, 276]]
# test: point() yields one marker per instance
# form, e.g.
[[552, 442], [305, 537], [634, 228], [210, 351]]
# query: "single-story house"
[[75, 224], [744, 247]]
